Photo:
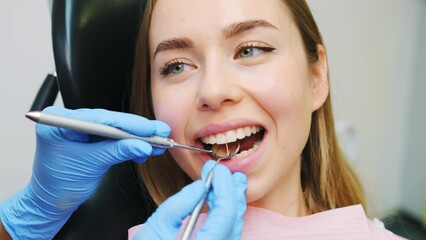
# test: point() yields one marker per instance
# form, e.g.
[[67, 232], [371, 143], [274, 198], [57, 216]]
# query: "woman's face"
[[235, 70]]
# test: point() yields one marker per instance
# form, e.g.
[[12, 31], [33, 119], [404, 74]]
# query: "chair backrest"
[[93, 45]]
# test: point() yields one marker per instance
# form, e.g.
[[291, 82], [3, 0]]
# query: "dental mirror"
[[230, 150]]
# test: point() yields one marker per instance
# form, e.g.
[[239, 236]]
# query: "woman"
[[270, 74], [232, 65], [234, 72]]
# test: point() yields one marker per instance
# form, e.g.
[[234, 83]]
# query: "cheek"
[[291, 108], [285, 98], [290, 111], [284, 92], [285, 95], [173, 105], [170, 107]]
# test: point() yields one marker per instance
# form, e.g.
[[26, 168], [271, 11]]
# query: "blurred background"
[[377, 60]]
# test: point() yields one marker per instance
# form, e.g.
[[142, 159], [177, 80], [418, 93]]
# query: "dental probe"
[[197, 210], [103, 130]]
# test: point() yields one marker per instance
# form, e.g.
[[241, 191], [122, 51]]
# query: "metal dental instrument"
[[105, 131], [197, 210], [156, 141]]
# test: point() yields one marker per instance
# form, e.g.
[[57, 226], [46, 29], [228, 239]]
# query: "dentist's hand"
[[67, 168], [227, 205]]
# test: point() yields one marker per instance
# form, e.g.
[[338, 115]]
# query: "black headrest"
[[93, 44]]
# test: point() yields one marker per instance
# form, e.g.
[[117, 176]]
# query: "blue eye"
[[247, 50], [174, 67], [178, 68]]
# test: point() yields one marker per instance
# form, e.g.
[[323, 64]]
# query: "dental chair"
[[93, 46]]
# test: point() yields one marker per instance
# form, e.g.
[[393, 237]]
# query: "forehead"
[[186, 18]]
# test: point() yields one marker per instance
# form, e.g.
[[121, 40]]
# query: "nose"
[[219, 87]]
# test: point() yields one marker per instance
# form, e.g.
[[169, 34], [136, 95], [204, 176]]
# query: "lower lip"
[[245, 163]]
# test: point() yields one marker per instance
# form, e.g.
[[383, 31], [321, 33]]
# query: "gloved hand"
[[227, 205], [68, 167]]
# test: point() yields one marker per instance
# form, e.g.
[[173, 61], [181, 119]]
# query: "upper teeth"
[[231, 135]]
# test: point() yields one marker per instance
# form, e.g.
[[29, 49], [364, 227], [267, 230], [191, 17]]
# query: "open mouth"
[[247, 137]]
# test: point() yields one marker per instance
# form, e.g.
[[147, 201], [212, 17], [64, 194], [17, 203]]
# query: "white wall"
[[413, 197], [25, 59], [372, 52], [372, 56]]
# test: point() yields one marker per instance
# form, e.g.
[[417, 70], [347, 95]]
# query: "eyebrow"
[[174, 43], [229, 32], [241, 27]]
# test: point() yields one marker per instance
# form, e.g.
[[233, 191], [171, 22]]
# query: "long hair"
[[327, 179]]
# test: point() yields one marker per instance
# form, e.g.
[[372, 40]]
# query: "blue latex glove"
[[227, 205], [68, 167]]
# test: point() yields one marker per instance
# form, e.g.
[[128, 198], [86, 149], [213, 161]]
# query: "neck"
[[287, 196], [291, 205]]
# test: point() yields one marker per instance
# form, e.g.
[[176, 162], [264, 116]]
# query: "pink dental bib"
[[347, 223]]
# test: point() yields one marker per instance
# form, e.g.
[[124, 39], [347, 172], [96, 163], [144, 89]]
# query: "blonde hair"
[[327, 179]]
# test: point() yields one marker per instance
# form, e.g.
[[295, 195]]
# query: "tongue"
[[247, 142]]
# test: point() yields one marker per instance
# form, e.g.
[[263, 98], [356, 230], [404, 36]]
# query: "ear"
[[320, 85]]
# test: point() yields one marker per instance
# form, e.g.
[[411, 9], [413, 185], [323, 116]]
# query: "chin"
[[255, 194]]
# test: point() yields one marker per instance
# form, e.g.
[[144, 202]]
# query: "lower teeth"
[[246, 152]]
